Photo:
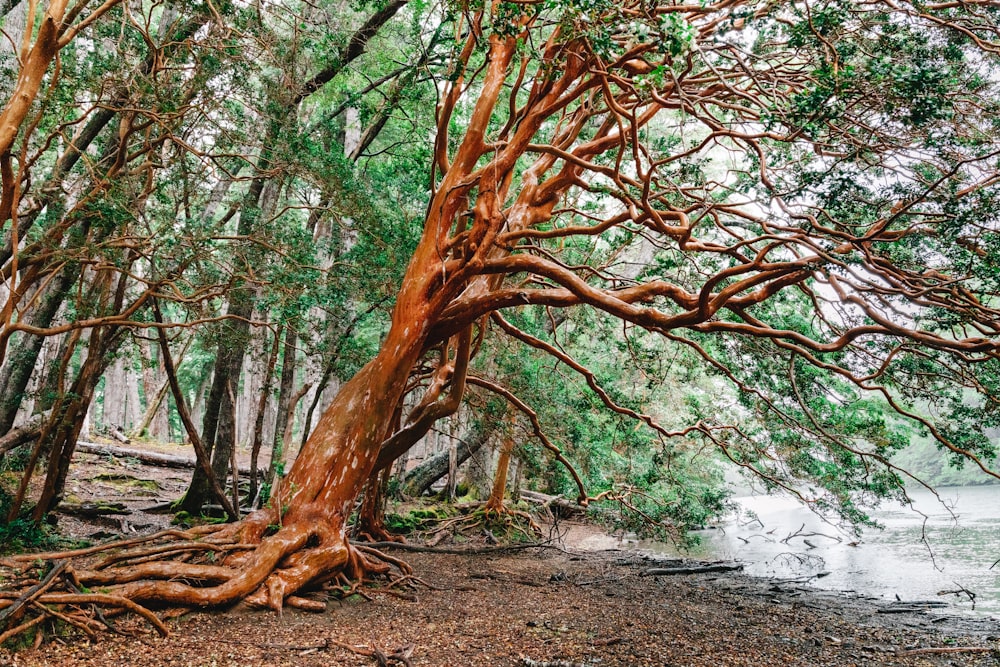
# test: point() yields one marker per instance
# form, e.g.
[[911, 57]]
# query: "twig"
[[801, 533], [961, 590], [86, 629], [401, 654]]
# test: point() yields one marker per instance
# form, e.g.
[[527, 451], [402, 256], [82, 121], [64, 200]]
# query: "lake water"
[[915, 558]]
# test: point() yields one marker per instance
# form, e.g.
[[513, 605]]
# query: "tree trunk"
[[421, 478], [286, 407], [258, 429], [312, 503], [495, 502], [115, 398], [452, 457], [218, 429], [154, 421], [62, 429], [370, 524], [21, 364]]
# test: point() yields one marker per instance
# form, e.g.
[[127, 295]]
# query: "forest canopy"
[[641, 241]]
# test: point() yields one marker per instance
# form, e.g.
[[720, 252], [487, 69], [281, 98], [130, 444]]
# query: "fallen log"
[[912, 607], [150, 458], [21, 435], [118, 434], [693, 569], [420, 479], [143, 456], [93, 509]]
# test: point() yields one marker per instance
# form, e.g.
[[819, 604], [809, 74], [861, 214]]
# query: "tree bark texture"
[[417, 481]]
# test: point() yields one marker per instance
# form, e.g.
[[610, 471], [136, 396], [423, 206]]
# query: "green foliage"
[[417, 518], [858, 140], [923, 458], [23, 535], [654, 486]]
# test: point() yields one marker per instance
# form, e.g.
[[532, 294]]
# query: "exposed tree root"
[[208, 566], [503, 524], [376, 532], [370, 524]]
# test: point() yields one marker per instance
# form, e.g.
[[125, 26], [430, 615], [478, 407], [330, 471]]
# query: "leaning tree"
[[802, 194]]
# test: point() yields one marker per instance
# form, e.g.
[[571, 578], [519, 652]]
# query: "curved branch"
[[536, 428]]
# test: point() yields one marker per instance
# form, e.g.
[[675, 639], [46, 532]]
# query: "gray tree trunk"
[[418, 480]]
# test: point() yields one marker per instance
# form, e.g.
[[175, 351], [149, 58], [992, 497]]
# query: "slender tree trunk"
[[156, 407], [370, 524], [258, 429], [67, 431], [286, 407], [115, 398], [22, 362], [452, 456], [219, 426], [495, 502], [280, 453], [153, 420]]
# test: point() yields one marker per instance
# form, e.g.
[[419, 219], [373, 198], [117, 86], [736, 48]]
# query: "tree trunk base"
[[487, 519], [254, 562]]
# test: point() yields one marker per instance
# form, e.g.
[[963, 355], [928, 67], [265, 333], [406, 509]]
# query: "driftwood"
[[915, 606], [143, 456], [693, 569]]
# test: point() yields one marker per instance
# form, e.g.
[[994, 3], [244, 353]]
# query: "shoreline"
[[548, 607]]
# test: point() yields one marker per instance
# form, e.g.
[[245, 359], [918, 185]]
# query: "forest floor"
[[553, 606]]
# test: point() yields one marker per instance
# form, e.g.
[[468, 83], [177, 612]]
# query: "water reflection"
[[911, 558]]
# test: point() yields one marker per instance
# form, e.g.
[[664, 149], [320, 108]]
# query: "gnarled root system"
[[207, 566]]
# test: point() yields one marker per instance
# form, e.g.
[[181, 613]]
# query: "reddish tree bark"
[[582, 117], [495, 502]]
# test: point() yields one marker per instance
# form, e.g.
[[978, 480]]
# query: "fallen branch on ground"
[[694, 569], [565, 507], [93, 509], [143, 456]]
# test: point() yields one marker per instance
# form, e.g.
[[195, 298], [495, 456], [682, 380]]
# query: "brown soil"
[[550, 607], [545, 607]]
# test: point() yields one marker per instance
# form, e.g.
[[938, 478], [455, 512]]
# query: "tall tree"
[[809, 192]]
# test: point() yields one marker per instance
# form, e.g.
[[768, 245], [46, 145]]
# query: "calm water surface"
[[913, 557]]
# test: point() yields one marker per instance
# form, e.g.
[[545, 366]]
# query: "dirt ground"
[[538, 607]]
